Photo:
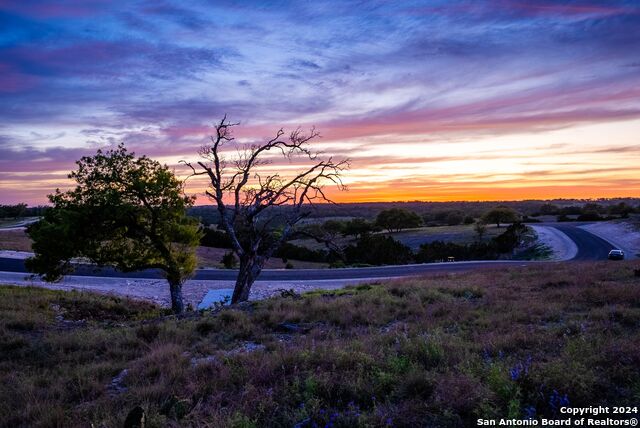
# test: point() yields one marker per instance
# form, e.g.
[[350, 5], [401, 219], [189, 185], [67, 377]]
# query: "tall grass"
[[433, 351]]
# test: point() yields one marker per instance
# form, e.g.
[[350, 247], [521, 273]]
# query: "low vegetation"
[[442, 213], [15, 240], [433, 351]]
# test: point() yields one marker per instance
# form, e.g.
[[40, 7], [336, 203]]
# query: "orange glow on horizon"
[[582, 162]]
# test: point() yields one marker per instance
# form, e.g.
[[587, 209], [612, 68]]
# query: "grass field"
[[413, 238], [18, 240], [211, 257], [438, 351], [460, 234]]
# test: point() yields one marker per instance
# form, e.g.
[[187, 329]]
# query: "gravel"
[[158, 291]]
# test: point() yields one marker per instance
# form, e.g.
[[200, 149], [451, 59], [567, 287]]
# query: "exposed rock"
[[246, 347], [284, 337], [202, 360], [116, 386]]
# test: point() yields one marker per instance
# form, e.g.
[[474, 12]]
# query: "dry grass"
[[16, 240], [436, 351], [460, 234], [211, 257]]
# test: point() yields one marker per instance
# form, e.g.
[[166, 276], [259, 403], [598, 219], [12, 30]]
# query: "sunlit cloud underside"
[[430, 100]]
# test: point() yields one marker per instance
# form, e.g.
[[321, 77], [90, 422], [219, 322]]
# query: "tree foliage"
[[215, 238], [289, 250], [13, 211], [378, 250], [21, 210], [358, 227], [396, 219], [504, 243], [126, 212], [480, 229], [500, 215]]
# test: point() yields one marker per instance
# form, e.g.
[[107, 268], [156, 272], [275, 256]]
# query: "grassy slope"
[[211, 257], [461, 234], [207, 257], [436, 351], [14, 240]]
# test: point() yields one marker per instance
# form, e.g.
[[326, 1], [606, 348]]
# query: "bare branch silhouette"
[[259, 210]]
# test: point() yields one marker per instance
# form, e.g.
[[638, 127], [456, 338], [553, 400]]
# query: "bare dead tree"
[[259, 210]]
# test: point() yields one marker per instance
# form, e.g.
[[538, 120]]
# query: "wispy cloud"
[[158, 74]]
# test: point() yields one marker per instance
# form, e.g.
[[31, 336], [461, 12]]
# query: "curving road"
[[590, 247], [17, 265]]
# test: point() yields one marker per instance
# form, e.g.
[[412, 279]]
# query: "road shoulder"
[[561, 245], [621, 235]]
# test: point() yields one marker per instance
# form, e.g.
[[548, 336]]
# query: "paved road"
[[17, 265], [590, 247]]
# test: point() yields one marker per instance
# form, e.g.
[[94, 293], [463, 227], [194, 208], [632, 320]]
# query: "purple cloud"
[[157, 74]]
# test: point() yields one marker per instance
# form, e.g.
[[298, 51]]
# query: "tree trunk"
[[175, 289], [250, 267]]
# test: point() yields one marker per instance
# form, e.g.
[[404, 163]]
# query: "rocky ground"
[[158, 291]]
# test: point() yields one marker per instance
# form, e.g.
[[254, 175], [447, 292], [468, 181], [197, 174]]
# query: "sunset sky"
[[432, 100]]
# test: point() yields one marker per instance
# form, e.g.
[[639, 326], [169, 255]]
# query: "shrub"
[[215, 238], [590, 216], [454, 218], [501, 244], [441, 350], [296, 252], [229, 260], [378, 250]]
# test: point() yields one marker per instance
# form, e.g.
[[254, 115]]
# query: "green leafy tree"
[[378, 250], [621, 209], [454, 218], [125, 212], [396, 219], [358, 227], [549, 209], [13, 211], [480, 229], [500, 215], [328, 234]]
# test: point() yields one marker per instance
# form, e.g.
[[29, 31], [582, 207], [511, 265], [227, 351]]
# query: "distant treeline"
[[21, 210], [437, 212], [590, 211]]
